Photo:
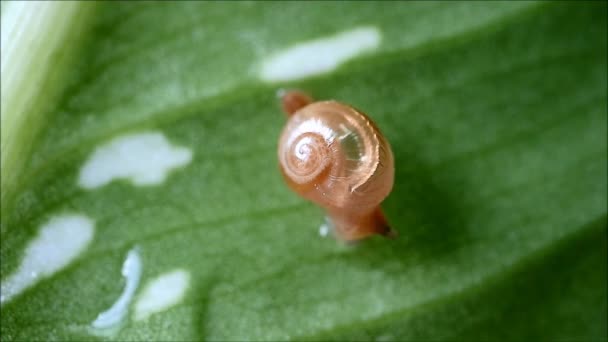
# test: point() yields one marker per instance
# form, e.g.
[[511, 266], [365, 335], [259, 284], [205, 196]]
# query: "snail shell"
[[336, 157]]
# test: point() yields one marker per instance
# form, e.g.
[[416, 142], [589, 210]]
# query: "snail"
[[335, 156]]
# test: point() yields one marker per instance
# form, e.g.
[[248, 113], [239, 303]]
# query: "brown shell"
[[335, 156]]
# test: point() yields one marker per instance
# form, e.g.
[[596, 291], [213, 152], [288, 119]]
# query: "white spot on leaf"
[[131, 271], [57, 244], [326, 228], [161, 293], [143, 158], [320, 55], [323, 230]]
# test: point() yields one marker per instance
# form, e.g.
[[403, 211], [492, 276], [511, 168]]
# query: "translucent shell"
[[335, 156]]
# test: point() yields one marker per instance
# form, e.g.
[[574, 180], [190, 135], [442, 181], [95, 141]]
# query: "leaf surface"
[[496, 113]]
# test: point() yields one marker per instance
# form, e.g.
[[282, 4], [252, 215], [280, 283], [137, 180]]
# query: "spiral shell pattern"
[[334, 155], [307, 157]]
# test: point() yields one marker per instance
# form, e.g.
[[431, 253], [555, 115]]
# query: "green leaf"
[[497, 116]]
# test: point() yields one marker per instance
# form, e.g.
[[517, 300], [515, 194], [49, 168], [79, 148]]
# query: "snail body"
[[336, 157]]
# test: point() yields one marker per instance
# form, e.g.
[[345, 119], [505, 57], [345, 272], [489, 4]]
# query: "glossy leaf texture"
[[497, 116]]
